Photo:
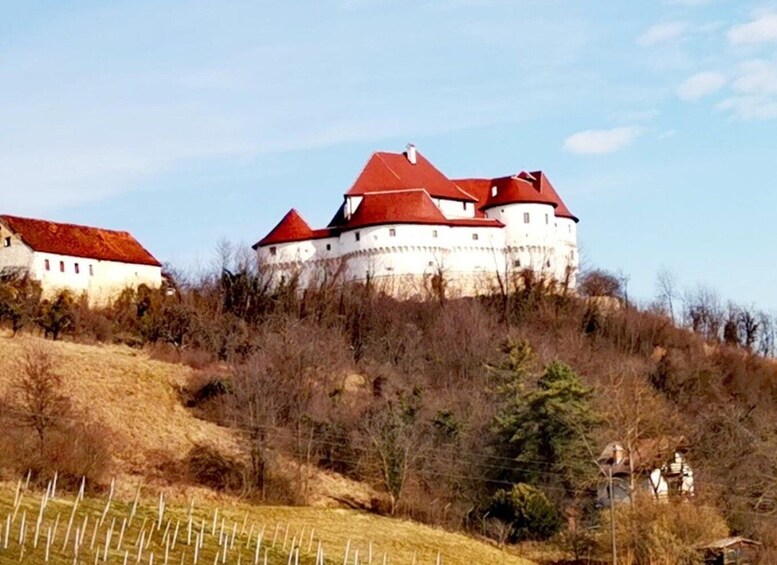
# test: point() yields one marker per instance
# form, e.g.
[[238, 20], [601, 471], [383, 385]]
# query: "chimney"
[[619, 454], [411, 153]]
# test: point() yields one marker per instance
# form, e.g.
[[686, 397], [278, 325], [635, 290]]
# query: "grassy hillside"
[[135, 400], [98, 522]]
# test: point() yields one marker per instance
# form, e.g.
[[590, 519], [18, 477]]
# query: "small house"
[[731, 551], [654, 466]]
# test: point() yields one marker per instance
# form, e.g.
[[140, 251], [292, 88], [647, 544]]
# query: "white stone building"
[[403, 223], [98, 262]]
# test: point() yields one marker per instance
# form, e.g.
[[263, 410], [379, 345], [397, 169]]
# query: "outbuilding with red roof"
[[82, 259]]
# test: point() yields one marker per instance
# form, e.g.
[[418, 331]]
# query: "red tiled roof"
[[545, 186], [525, 187], [393, 171], [291, 228], [396, 207], [79, 241]]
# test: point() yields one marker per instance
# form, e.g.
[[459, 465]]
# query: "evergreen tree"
[[545, 429]]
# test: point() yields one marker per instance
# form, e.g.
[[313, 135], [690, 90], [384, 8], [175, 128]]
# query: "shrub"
[[208, 467], [526, 513]]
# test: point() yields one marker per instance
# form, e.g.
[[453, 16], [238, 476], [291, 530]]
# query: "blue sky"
[[191, 122]]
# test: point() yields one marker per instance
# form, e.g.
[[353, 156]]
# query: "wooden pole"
[[612, 519]]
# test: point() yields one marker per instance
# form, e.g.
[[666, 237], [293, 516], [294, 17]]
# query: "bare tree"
[[666, 283], [35, 397]]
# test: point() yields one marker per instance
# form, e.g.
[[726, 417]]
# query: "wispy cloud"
[[601, 141], [700, 85], [751, 107], [662, 33], [755, 91], [762, 29]]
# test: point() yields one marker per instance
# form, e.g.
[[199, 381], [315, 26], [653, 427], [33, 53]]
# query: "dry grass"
[[402, 542], [136, 400]]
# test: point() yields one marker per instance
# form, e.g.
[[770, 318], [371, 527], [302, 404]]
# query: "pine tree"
[[545, 429]]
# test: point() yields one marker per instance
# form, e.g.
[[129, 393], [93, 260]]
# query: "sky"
[[190, 123]]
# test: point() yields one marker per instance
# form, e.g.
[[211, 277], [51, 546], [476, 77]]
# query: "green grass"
[[402, 542]]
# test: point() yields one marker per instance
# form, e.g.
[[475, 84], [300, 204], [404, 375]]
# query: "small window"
[[7, 242], [434, 233], [465, 206], [273, 250], [77, 268], [547, 219], [493, 191], [91, 270], [61, 266], [526, 218], [517, 263], [475, 237], [47, 265], [431, 263], [329, 247], [358, 236], [547, 264], [392, 232]]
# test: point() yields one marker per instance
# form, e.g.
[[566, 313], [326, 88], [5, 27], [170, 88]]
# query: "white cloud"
[[662, 33], [751, 107], [601, 141], [763, 29], [758, 76], [701, 85], [755, 88]]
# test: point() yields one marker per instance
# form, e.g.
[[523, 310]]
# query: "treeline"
[[484, 414]]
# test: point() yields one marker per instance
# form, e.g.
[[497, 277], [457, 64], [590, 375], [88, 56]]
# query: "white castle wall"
[[465, 255]]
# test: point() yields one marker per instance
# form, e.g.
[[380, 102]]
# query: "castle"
[[404, 224]]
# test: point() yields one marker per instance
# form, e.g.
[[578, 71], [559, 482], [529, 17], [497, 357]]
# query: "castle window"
[[434, 233], [358, 236], [547, 219], [47, 265], [493, 191], [91, 270], [431, 263], [329, 247], [392, 232], [526, 218], [77, 268], [7, 242], [273, 250], [465, 206], [475, 237], [517, 263], [61, 266], [570, 228], [547, 264]]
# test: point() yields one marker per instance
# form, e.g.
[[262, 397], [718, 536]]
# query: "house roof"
[[521, 188], [647, 453], [79, 241], [394, 171]]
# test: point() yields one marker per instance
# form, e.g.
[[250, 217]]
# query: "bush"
[[655, 532], [526, 512], [210, 468]]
